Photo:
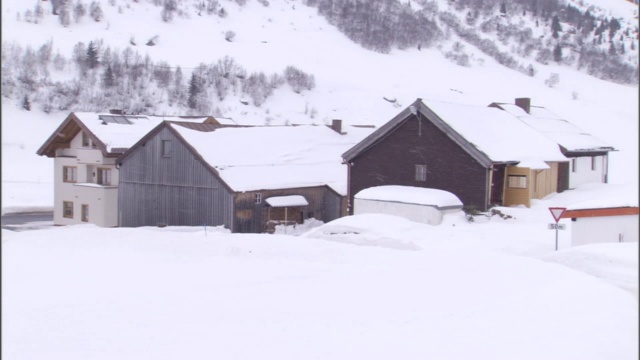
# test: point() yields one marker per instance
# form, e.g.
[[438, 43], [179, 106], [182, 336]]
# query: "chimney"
[[525, 104], [336, 125]]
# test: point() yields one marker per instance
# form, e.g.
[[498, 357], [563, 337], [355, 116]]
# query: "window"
[[517, 181], [421, 172], [69, 174], [166, 148], [85, 212], [104, 176], [86, 141], [593, 163], [258, 198], [67, 209], [574, 162]]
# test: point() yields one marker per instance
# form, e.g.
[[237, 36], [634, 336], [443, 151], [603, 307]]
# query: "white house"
[[588, 155], [417, 204], [608, 214], [85, 148]]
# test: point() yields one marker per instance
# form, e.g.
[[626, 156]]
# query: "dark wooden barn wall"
[[392, 162], [175, 190], [324, 205]]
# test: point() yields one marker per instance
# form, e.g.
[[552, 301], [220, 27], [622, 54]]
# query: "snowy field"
[[362, 287]]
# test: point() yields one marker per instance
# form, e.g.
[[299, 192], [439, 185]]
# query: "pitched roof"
[[488, 134], [275, 157], [564, 133], [112, 134]]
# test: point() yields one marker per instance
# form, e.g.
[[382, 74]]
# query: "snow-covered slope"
[[351, 82]]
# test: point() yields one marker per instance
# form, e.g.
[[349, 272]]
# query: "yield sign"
[[557, 212]]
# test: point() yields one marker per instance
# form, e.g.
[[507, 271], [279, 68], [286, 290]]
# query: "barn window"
[[69, 174], [166, 148], [593, 163], [258, 198], [67, 209], [104, 176], [517, 181], [574, 162], [421, 172], [85, 212]]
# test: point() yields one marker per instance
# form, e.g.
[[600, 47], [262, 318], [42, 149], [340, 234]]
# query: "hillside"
[[294, 62]]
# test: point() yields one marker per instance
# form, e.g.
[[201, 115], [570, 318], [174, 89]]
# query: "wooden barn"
[[483, 155], [85, 148], [247, 179]]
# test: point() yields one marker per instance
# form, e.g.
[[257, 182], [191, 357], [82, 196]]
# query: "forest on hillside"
[[108, 78]]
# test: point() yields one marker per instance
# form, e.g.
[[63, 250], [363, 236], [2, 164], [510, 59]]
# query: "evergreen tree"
[[108, 80], [194, 91], [555, 26], [612, 49], [92, 56], [503, 9], [26, 103], [557, 53]]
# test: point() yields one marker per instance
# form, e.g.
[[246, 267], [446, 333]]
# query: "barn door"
[[497, 185]]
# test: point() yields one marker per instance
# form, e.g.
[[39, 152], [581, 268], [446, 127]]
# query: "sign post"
[[557, 213]]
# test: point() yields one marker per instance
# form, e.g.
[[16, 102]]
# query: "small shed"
[[607, 224], [285, 210], [417, 204], [604, 213]]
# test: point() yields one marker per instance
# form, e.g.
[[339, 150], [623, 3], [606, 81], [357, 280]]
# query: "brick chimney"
[[336, 125], [524, 103]]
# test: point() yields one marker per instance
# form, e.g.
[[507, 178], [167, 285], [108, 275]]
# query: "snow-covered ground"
[[362, 287]]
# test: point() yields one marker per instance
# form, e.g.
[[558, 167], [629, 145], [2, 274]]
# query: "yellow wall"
[[513, 196]]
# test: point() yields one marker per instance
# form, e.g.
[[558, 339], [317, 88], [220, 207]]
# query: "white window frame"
[[258, 198]]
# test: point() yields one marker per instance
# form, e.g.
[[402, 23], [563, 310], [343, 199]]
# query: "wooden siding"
[[176, 190], [515, 196], [619, 211], [393, 159], [544, 182], [251, 217]]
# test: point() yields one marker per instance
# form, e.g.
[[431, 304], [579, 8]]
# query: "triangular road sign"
[[557, 212]]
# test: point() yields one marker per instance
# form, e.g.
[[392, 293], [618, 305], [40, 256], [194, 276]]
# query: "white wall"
[[602, 229], [102, 200], [582, 172], [418, 213]]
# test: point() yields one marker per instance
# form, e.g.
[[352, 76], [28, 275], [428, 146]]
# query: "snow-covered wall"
[[419, 213], [590, 230]]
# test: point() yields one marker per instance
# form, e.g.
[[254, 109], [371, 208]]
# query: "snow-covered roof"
[[276, 157], [599, 196], [284, 201], [410, 195], [123, 135], [497, 133], [557, 129]]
